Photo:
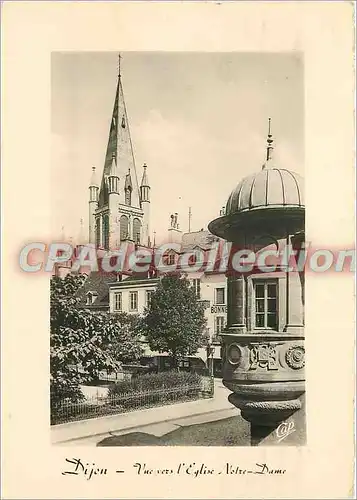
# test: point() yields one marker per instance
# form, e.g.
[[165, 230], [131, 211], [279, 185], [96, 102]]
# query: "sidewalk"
[[92, 430]]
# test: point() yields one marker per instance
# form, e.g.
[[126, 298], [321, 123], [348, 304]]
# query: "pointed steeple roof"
[[119, 144], [94, 180], [145, 180]]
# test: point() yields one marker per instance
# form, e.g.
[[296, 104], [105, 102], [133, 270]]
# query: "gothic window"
[[123, 122], [124, 227], [128, 197], [105, 191], [265, 301], [137, 230], [105, 237], [97, 232]]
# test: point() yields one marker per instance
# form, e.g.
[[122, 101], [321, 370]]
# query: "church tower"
[[118, 207]]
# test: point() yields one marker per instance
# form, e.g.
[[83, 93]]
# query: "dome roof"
[[270, 201], [271, 187]]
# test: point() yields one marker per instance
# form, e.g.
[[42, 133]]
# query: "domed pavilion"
[[263, 350]]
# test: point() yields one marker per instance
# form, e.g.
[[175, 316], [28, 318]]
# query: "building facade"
[[132, 296]]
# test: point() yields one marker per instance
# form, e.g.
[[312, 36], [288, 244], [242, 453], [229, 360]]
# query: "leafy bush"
[[145, 391], [92, 340], [154, 381]]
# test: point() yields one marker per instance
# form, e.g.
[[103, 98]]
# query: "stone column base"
[[290, 432]]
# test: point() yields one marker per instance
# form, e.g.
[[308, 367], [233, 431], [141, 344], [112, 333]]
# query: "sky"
[[198, 120]]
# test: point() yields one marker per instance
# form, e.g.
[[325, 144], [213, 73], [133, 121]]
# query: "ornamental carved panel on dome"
[[285, 356], [295, 357], [263, 356]]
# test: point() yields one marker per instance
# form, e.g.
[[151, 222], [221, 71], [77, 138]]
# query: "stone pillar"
[[294, 305], [294, 295], [236, 303]]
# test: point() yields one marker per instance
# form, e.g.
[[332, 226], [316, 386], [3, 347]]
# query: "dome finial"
[[269, 142], [270, 147]]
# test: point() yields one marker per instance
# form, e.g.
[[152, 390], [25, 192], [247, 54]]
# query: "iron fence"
[[100, 406]]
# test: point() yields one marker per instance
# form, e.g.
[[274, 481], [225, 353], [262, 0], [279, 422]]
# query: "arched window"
[[136, 230], [124, 225], [128, 196], [105, 237], [105, 191], [97, 231]]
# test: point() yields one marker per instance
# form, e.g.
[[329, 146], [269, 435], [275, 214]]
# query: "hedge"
[[152, 381]]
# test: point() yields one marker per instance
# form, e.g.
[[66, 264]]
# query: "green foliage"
[[175, 321], [84, 342], [159, 389], [146, 391], [163, 380]]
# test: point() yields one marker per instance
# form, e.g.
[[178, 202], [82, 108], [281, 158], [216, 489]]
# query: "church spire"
[[119, 60], [119, 144]]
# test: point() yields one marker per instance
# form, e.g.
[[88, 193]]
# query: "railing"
[[93, 407]]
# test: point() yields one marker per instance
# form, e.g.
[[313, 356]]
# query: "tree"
[[175, 322], [84, 342], [126, 345]]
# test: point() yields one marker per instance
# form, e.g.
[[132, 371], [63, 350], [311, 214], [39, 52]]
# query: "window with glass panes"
[[170, 259], [117, 301], [219, 324], [196, 283], [266, 304], [220, 296], [133, 301], [148, 297]]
